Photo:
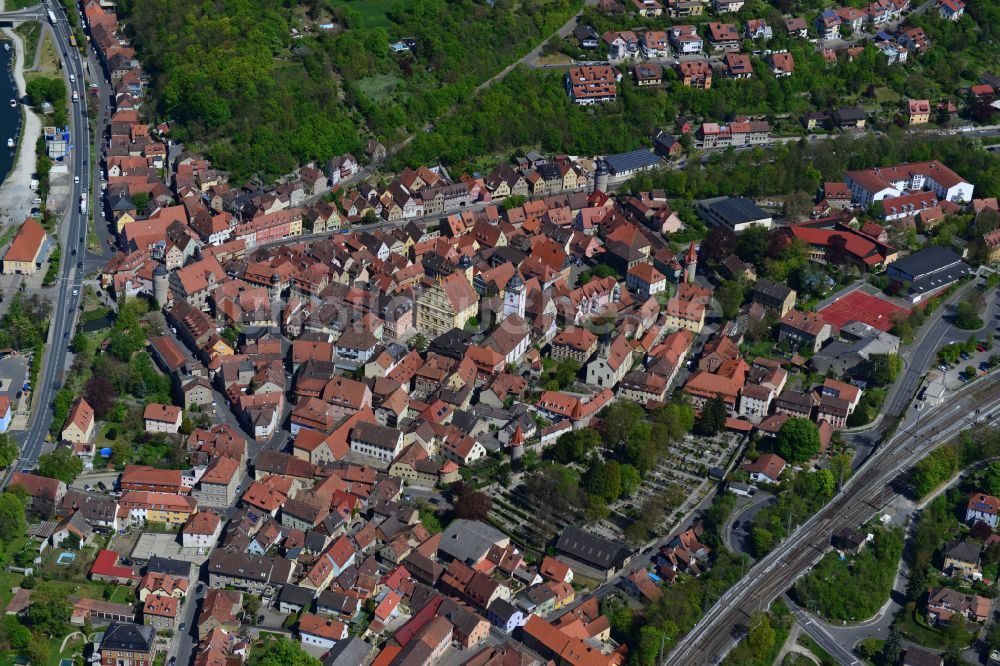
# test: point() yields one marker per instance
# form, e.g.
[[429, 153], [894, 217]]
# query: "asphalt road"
[[736, 538], [837, 650], [72, 236], [867, 492], [918, 358], [185, 640]]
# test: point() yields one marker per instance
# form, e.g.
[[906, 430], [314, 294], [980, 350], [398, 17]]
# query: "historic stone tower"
[[691, 262], [601, 177], [161, 285]]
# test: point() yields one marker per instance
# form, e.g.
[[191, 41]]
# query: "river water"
[[10, 118]]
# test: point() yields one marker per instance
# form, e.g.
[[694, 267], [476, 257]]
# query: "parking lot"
[[954, 373]]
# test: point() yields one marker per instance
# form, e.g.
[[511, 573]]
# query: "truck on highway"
[[72, 39], [83, 203], [52, 17]]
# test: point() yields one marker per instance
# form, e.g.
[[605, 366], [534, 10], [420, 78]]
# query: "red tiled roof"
[[106, 564], [27, 242]]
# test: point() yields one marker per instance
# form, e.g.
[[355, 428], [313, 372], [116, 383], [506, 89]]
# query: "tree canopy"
[[798, 440], [713, 416], [8, 450], [12, 521], [468, 502], [60, 464], [279, 651], [884, 368], [259, 101]]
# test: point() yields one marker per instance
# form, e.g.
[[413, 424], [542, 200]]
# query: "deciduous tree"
[[798, 440], [100, 394], [60, 464], [884, 368], [730, 297], [12, 521], [8, 450], [713, 416], [469, 503], [280, 651]]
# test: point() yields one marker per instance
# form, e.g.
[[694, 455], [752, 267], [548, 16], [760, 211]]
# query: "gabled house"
[[951, 10], [944, 603], [767, 468], [757, 29], [982, 508], [962, 559]]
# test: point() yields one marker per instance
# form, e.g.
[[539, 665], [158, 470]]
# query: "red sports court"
[[861, 306]]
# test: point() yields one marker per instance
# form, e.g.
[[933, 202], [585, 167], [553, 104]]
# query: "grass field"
[[48, 61], [123, 594], [30, 32], [374, 12], [14, 5], [916, 629], [381, 88], [886, 95]]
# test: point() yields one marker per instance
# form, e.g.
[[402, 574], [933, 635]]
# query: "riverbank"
[[16, 194]]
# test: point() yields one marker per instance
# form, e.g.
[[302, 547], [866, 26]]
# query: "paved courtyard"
[[166, 545]]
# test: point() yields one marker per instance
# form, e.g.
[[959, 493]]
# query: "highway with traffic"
[[72, 238]]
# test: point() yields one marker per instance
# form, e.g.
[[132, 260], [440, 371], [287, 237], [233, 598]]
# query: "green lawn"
[[30, 31], [374, 12], [123, 594], [886, 95], [765, 348], [917, 630], [85, 589], [381, 87], [8, 580]]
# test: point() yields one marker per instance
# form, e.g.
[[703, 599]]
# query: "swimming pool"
[[65, 559]]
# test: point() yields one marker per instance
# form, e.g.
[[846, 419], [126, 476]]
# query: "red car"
[[980, 348]]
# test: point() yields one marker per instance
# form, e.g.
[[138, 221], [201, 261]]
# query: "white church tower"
[[514, 297]]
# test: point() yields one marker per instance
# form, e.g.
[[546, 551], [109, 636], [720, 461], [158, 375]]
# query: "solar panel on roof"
[[635, 159]]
